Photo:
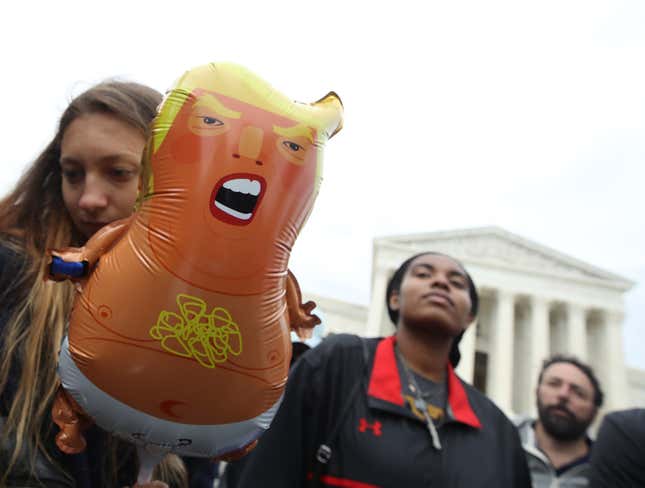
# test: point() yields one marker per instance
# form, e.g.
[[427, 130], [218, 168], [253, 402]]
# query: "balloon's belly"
[[185, 356], [150, 431]]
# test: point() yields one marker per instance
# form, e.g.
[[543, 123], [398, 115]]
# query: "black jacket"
[[618, 456], [82, 470], [381, 442], [12, 265]]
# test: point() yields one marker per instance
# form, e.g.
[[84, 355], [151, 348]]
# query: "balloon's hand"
[[71, 420], [301, 320], [239, 454], [75, 263], [306, 320], [61, 269]]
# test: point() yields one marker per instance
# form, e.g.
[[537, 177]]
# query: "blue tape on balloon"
[[71, 269]]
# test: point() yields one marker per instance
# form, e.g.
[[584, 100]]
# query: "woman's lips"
[[439, 298], [92, 227]]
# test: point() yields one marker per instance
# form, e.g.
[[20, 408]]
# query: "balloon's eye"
[[294, 149], [207, 124], [292, 146], [212, 121]]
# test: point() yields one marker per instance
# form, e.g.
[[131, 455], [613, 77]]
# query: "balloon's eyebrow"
[[211, 102], [297, 130]]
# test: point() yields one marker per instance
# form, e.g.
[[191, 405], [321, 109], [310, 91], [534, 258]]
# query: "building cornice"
[[548, 262]]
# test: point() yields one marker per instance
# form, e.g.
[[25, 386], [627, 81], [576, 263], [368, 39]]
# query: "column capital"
[[576, 307], [613, 316], [540, 300], [503, 294]]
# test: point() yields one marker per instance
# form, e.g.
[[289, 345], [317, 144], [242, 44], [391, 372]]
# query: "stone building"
[[535, 301]]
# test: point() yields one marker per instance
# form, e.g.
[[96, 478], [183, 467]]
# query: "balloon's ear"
[[331, 98], [332, 104]]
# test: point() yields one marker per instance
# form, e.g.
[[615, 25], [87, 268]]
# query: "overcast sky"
[[528, 116]]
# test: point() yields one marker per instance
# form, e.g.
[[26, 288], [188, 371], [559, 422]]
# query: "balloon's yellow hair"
[[325, 116]]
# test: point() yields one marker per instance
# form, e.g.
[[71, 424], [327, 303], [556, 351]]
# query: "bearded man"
[[557, 446]]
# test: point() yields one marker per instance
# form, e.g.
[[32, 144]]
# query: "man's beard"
[[562, 427]]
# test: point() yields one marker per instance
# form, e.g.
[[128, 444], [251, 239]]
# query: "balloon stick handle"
[[147, 462]]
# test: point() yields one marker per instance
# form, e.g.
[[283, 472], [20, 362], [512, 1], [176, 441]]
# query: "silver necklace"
[[420, 402]]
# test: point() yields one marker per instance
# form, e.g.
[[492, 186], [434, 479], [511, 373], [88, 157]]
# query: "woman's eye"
[[458, 284], [121, 174], [72, 176], [292, 146], [212, 121]]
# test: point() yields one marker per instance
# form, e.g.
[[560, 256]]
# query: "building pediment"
[[496, 247]]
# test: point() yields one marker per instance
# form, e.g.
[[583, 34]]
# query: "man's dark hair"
[[598, 395], [395, 285]]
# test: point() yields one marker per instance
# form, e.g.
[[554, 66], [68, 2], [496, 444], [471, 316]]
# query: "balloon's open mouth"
[[236, 197]]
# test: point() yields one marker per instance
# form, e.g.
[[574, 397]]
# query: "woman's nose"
[[440, 281], [94, 196]]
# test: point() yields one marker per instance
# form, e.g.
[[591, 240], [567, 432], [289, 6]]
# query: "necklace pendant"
[[420, 404]]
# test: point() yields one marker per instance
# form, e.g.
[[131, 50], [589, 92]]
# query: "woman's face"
[[100, 162], [434, 292]]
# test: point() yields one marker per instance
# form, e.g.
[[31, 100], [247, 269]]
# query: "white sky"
[[525, 115]]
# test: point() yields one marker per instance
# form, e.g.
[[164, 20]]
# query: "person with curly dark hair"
[[557, 446], [390, 411]]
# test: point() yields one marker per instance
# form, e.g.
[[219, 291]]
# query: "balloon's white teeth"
[[243, 185], [234, 213]]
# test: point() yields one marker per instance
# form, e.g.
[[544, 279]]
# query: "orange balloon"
[[184, 319]]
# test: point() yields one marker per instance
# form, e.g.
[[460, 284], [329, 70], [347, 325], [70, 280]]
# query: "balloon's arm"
[[75, 263], [238, 454], [72, 421], [301, 320]]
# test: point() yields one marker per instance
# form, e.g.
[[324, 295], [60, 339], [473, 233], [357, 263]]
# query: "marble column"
[[576, 331], [613, 362], [467, 347], [539, 345], [500, 375], [377, 311], [558, 330]]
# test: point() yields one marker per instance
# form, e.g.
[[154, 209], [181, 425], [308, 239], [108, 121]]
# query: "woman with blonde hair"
[[87, 176]]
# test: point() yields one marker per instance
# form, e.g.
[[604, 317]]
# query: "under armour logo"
[[375, 427]]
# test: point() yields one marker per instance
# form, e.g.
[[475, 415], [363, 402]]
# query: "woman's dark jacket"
[[381, 442], [80, 470]]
